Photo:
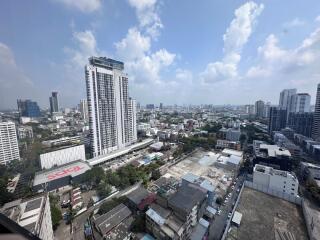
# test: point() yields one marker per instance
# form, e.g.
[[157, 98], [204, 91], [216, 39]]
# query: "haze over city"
[[175, 52]]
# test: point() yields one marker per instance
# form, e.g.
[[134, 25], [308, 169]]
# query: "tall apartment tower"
[[259, 108], [9, 149], [300, 103], [316, 117], [112, 114], [54, 104], [285, 98], [84, 109]]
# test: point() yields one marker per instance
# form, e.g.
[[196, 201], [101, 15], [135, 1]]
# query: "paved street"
[[219, 223]]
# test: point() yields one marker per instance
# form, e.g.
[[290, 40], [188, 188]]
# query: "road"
[[218, 225], [79, 221]]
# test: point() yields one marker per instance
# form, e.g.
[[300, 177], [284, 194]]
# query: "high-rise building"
[[267, 109], [28, 108], [9, 149], [54, 104], [316, 117], [277, 119], [150, 106], [301, 122], [161, 106], [259, 108], [249, 109], [300, 103], [84, 109], [112, 114], [285, 98]]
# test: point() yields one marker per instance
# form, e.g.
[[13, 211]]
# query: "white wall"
[[63, 156]]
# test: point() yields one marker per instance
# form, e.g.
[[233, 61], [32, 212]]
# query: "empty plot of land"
[[265, 217]]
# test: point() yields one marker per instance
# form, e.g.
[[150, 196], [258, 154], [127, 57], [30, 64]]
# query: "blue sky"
[[215, 52]]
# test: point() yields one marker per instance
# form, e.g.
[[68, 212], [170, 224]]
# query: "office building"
[[275, 180], [9, 149], [150, 106], [161, 106], [300, 103], [112, 114], [316, 117], [273, 156], [84, 110], [277, 119], [62, 156], [32, 214], [301, 122], [259, 109], [54, 104], [28, 108], [285, 98]]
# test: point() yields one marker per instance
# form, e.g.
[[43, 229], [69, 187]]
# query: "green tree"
[[103, 190], [56, 216], [242, 139]]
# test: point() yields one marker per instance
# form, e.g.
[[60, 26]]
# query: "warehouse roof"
[[71, 169]]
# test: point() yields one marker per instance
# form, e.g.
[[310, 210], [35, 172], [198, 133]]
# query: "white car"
[[219, 212], [229, 215]]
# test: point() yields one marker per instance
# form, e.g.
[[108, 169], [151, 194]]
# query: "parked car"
[[219, 212], [229, 215]]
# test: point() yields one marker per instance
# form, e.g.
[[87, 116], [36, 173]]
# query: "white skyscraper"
[[112, 114], [300, 103], [84, 109], [9, 149]]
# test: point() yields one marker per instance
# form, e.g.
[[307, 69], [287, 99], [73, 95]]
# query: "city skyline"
[[247, 46]]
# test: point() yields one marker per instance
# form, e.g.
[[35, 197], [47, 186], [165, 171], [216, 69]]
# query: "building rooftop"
[[111, 219], [182, 200], [228, 151], [70, 169], [272, 171], [138, 195], [265, 217], [274, 150], [26, 213]]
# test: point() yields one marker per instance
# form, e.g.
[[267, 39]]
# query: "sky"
[[175, 52]]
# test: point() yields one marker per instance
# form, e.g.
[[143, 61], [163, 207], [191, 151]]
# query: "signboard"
[[64, 172]]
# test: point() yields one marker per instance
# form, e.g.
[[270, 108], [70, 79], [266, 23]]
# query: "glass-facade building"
[[28, 108]]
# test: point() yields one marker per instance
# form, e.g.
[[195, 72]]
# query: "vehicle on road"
[[219, 212], [229, 215]]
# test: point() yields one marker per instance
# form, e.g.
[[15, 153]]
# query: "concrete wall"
[[312, 219], [63, 156], [282, 195]]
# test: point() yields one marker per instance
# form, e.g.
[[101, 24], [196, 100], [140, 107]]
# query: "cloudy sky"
[[175, 52]]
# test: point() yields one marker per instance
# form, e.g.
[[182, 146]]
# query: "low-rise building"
[[25, 132], [310, 171], [115, 224], [60, 176], [277, 180], [32, 214], [273, 156], [176, 213], [140, 199], [228, 144], [230, 134]]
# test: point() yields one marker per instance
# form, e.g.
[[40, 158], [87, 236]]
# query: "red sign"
[[64, 172]]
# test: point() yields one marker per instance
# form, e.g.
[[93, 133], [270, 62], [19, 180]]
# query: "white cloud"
[[147, 68], [148, 17], [86, 46], [133, 46], [236, 36], [142, 64], [82, 5], [184, 75], [296, 22], [13, 81], [317, 19]]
